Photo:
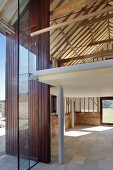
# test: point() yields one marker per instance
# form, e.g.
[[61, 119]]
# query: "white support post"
[[60, 110], [72, 113], [64, 115]]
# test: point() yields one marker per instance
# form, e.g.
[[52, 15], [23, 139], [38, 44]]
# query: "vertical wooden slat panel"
[[33, 125], [66, 104], [39, 99], [80, 103], [39, 18], [11, 94], [74, 104], [88, 104], [84, 104], [98, 103], [93, 104]]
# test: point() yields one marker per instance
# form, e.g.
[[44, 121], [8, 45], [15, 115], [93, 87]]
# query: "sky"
[[2, 65]]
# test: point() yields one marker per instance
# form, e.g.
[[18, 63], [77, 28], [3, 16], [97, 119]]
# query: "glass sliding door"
[[107, 111]]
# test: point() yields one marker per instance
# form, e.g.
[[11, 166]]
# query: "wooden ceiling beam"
[[95, 20], [84, 40], [71, 32], [69, 7], [76, 20], [106, 53], [67, 39], [7, 27], [89, 59], [101, 42]]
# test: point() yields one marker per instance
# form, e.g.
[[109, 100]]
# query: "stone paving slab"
[[81, 153]]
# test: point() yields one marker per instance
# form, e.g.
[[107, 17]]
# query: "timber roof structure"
[[84, 41], [80, 30]]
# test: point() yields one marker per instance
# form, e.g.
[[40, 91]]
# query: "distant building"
[[2, 108]]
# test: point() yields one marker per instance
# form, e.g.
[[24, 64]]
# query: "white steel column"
[[60, 110], [72, 113], [64, 114]]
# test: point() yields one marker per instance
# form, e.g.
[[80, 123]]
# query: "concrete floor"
[[8, 162], [86, 148]]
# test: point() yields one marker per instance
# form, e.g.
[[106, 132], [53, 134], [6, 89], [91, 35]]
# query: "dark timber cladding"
[[39, 106], [40, 19], [11, 94]]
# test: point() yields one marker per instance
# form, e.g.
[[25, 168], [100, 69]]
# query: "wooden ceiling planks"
[[9, 14], [74, 39], [99, 32]]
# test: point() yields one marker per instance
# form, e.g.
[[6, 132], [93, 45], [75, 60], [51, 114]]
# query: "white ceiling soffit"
[[84, 80]]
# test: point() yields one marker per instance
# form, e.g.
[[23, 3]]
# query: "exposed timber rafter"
[[101, 42], [70, 6], [76, 20], [7, 27], [9, 14], [106, 53], [99, 19]]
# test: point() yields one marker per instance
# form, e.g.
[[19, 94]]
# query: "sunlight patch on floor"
[[98, 128], [2, 131], [76, 133]]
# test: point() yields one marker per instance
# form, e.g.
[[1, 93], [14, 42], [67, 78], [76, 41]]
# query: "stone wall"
[[54, 123], [87, 118]]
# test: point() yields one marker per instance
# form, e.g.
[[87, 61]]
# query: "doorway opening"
[[107, 110]]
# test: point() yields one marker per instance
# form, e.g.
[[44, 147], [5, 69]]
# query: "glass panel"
[[2, 93], [23, 115], [27, 65], [9, 88], [107, 111], [33, 140], [23, 87]]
